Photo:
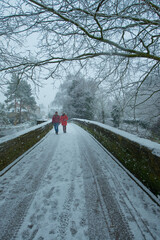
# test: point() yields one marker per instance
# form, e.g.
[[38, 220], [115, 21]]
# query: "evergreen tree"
[[19, 97]]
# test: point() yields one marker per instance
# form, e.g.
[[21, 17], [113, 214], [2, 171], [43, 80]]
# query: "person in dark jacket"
[[56, 121], [63, 121]]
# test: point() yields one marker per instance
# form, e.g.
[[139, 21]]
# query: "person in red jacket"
[[63, 120], [56, 121]]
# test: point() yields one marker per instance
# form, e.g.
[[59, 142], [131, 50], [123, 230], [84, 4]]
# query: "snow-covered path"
[[68, 188]]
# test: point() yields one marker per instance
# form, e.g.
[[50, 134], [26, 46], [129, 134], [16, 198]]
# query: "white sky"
[[46, 94]]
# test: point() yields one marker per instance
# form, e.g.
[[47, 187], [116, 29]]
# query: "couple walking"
[[56, 120]]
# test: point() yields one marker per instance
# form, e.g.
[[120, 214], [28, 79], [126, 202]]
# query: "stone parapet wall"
[[138, 159], [13, 148]]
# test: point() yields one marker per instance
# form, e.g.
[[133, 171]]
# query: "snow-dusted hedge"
[[11, 147], [140, 156]]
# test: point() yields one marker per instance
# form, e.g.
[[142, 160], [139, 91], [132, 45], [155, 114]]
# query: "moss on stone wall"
[[138, 159], [14, 148]]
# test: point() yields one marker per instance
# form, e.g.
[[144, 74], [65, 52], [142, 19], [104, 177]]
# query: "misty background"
[[96, 60]]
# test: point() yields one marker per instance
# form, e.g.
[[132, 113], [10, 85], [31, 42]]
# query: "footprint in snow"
[[73, 228], [76, 204]]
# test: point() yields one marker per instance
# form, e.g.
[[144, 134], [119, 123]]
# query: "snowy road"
[[68, 188]]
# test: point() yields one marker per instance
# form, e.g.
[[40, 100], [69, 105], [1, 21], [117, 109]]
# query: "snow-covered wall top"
[[155, 147], [17, 134]]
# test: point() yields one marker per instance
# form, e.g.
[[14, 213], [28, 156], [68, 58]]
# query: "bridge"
[[68, 187]]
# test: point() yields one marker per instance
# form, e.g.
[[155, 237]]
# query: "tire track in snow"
[[103, 201], [140, 225], [97, 226], [111, 213]]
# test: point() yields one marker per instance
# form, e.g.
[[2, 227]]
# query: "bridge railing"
[[142, 161], [15, 145]]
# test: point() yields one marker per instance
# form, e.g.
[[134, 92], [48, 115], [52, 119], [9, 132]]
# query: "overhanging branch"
[[132, 52]]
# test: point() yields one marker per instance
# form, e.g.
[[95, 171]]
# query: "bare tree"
[[72, 30], [117, 39]]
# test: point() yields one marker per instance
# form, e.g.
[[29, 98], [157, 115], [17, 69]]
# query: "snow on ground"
[[155, 147], [15, 132], [10, 129], [60, 197], [68, 188]]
